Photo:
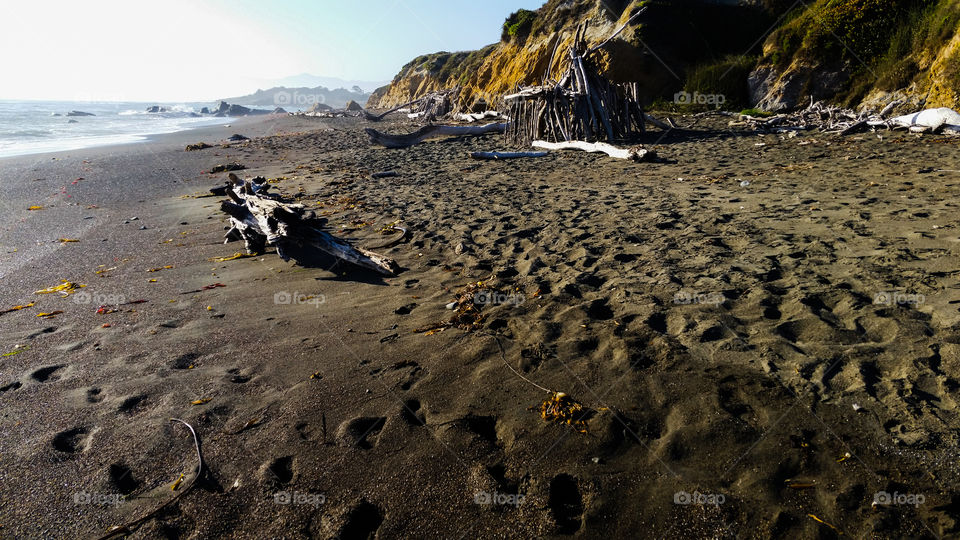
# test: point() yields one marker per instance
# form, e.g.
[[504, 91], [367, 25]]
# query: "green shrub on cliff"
[[518, 25], [878, 43]]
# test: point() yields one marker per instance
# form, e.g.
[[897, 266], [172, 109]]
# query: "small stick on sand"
[[131, 526]]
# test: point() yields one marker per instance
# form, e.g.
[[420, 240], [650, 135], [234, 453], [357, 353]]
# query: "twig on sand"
[[129, 527], [403, 234], [503, 356]]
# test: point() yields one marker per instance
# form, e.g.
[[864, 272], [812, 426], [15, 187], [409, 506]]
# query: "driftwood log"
[[426, 132], [506, 155], [260, 219], [636, 153]]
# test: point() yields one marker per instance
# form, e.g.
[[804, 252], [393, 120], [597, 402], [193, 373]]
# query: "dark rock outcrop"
[[353, 106], [79, 113], [237, 110]]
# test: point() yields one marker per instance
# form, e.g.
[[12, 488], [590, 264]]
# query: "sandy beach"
[[763, 330]]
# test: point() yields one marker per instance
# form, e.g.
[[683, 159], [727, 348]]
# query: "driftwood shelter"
[[581, 106], [582, 110]]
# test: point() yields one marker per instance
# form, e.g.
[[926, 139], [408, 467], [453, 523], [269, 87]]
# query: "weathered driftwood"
[[830, 119], [403, 141], [636, 153], [506, 155], [933, 120], [378, 117], [429, 106], [476, 117], [260, 219]]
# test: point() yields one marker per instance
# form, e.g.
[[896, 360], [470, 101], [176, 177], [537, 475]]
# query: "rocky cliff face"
[[845, 51], [657, 50], [520, 58], [863, 52]]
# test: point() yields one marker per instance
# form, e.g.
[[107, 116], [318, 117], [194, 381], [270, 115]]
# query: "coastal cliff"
[[762, 53], [863, 52]]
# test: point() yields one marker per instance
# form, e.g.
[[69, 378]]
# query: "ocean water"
[[29, 127]]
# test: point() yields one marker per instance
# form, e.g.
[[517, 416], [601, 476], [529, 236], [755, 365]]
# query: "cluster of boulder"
[[223, 109]]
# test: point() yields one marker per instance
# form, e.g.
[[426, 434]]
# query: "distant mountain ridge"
[[301, 98], [306, 80]]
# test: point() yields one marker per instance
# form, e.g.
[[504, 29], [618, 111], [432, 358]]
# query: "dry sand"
[[719, 315]]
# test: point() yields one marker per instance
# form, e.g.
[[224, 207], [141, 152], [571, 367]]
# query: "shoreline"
[[147, 138], [726, 339]]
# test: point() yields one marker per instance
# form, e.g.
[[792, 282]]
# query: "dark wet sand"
[[728, 339]]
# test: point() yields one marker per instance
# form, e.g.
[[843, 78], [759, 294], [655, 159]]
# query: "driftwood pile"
[[582, 105], [259, 218], [817, 115], [832, 119], [427, 108]]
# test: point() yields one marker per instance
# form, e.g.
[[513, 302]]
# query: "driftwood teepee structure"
[[582, 105]]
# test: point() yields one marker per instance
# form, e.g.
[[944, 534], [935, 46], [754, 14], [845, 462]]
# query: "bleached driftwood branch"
[[475, 117], [636, 153], [403, 141]]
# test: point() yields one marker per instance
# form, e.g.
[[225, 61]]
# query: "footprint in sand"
[[122, 479], [12, 386], [185, 361], [235, 376], [131, 404], [412, 413], [405, 310], [413, 373], [94, 395], [360, 522], [566, 504], [362, 432], [280, 470], [46, 374], [72, 441]]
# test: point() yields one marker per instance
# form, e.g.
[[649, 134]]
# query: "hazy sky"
[[197, 50]]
